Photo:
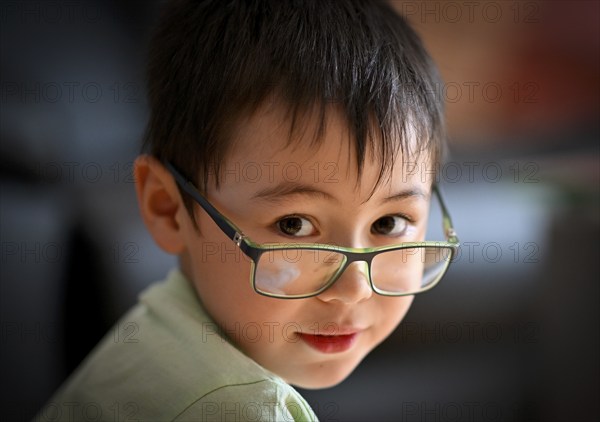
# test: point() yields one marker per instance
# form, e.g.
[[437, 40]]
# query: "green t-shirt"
[[165, 361]]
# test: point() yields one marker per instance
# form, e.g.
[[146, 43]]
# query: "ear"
[[160, 204]]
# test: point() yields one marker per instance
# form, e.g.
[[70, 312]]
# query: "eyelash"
[[404, 216], [410, 220], [275, 224], [407, 219]]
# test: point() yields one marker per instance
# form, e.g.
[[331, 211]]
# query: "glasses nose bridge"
[[352, 257]]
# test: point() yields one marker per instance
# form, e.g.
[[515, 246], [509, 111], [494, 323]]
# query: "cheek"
[[217, 258], [220, 272], [221, 276], [392, 311], [222, 280]]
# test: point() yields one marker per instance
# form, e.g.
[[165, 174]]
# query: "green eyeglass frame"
[[254, 250]]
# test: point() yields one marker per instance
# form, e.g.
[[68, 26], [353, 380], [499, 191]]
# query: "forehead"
[[271, 145]]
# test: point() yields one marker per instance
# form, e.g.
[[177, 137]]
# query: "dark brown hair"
[[213, 61]]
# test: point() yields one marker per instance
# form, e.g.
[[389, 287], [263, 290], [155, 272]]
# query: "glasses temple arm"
[[225, 225], [447, 220]]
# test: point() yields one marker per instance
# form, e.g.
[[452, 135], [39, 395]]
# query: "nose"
[[351, 287]]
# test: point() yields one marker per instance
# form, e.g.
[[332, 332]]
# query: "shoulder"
[[172, 363], [264, 400]]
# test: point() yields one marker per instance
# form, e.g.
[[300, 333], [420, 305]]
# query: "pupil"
[[385, 225], [290, 225]]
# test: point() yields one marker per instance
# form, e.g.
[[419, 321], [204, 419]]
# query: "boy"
[[278, 130]]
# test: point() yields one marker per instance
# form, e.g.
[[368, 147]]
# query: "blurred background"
[[511, 334]]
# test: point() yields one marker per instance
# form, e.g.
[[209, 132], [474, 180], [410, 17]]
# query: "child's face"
[[279, 193]]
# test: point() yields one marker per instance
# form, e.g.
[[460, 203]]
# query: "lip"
[[330, 343]]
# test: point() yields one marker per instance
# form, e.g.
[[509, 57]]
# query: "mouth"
[[330, 343]]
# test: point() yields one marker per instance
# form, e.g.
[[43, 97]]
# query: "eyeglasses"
[[302, 270]]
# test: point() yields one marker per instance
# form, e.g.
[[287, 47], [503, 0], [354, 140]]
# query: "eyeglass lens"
[[296, 272]]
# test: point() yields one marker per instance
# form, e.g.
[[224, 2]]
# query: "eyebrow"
[[408, 193], [284, 190]]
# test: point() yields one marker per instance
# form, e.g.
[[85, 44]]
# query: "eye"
[[390, 225], [295, 226]]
